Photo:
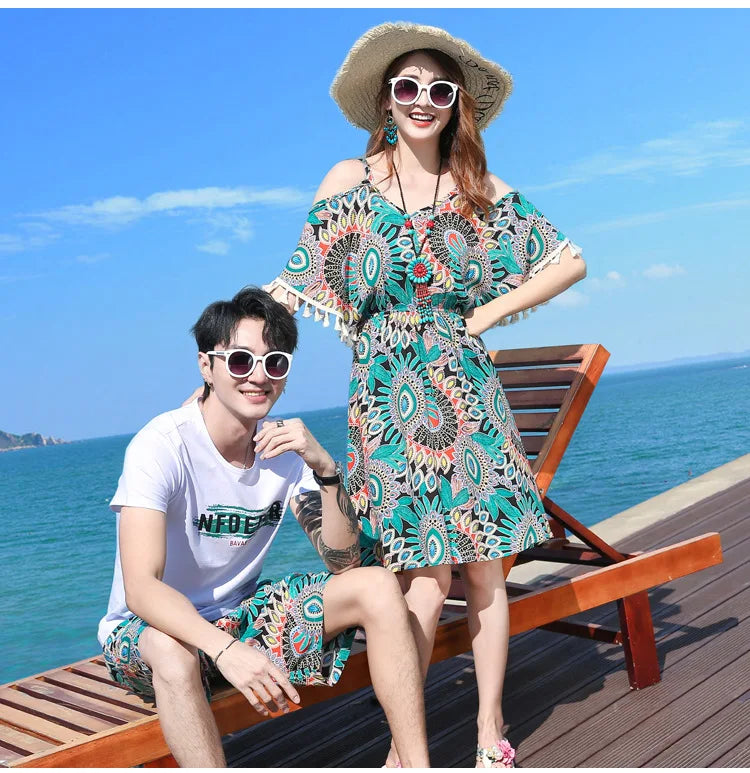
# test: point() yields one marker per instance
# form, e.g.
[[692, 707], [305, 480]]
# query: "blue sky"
[[155, 161]]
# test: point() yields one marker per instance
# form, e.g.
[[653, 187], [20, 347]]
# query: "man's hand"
[[293, 435], [259, 680]]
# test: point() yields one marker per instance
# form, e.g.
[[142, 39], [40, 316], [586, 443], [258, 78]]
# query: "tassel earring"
[[390, 130]]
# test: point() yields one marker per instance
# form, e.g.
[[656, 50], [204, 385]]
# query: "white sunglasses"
[[241, 362], [406, 91]]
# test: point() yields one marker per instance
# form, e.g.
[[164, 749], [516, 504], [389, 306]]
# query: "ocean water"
[[643, 433]]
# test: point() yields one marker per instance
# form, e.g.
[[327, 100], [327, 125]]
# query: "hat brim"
[[359, 79]]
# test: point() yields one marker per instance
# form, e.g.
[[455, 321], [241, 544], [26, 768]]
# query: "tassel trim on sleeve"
[[553, 257], [312, 308]]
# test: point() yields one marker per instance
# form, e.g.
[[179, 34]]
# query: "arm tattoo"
[[310, 516], [347, 508]]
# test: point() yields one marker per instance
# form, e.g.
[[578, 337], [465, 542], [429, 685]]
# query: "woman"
[[415, 251]]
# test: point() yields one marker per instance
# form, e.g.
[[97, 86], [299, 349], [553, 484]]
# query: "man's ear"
[[204, 364]]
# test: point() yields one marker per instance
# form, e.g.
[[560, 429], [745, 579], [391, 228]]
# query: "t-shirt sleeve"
[[304, 482], [518, 243], [150, 473], [318, 274]]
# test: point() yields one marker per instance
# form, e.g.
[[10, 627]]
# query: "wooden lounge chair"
[[75, 716]]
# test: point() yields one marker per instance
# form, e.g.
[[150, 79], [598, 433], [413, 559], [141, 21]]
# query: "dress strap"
[[368, 171]]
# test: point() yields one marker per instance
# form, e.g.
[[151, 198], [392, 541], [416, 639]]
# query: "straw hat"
[[357, 83]]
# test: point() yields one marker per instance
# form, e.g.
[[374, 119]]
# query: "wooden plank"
[[535, 421], [533, 443], [536, 398], [538, 377], [143, 740], [540, 355], [26, 722], [351, 722], [58, 695], [580, 531], [739, 757], [566, 656], [73, 718], [723, 729], [9, 754], [112, 692], [576, 399], [24, 742], [93, 670], [624, 579], [685, 714], [692, 649], [118, 747]]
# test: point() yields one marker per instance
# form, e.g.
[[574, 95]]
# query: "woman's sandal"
[[501, 752]]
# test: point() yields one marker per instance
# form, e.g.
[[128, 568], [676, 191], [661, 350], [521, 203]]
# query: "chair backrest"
[[548, 389]]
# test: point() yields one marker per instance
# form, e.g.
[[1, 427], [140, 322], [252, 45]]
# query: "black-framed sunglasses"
[[406, 91], [241, 362]]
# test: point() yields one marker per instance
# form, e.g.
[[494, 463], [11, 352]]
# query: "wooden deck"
[[568, 699]]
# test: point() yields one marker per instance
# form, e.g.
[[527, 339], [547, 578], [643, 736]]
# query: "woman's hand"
[[473, 325], [198, 392], [259, 680], [278, 437], [540, 288]]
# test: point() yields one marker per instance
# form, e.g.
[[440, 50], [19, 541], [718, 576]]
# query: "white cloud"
[[570, 299], [686, 152], [36, 236], [215, 247], [120, 210], [238, 224], [611, 280], [662, 271]]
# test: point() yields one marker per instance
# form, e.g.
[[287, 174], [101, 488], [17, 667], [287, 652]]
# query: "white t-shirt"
[[221, 519]]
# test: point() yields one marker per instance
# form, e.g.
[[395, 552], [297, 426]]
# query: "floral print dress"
[[436, 468]]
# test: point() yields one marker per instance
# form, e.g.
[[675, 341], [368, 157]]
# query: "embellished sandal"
[[501, 752]]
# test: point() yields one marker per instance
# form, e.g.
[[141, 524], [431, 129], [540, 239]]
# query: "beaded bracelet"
[[222, 651]]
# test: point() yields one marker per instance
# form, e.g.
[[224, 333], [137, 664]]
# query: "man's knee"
[[170, 660], [379, 595]]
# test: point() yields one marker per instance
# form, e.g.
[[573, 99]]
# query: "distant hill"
[[697, 360], [9, 442]]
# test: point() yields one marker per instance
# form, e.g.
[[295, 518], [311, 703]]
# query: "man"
[[200, 499]]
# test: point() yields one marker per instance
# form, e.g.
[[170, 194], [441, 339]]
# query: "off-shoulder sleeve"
[[317, 277], [517, 243]]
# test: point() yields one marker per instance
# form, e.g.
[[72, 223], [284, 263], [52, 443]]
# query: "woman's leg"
[[487, 608]]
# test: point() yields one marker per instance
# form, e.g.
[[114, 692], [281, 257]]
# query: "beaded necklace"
[[420, 270]]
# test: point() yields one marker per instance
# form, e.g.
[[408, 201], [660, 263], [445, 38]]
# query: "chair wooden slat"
[[538, 377], [92, 669], [536, 398], [30, 744], [533, 444], [74, 718], [541, 355], [535, 421], [72, 699], [110, 692], [38, 726], [9, 754]]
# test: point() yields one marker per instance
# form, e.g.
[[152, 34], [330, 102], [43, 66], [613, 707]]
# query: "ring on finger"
[[279, 422]]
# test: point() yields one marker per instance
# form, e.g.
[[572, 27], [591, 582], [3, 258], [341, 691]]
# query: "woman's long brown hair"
[[460, 142]]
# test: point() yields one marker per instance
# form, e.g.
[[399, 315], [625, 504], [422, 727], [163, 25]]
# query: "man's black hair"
[[218, 322]]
